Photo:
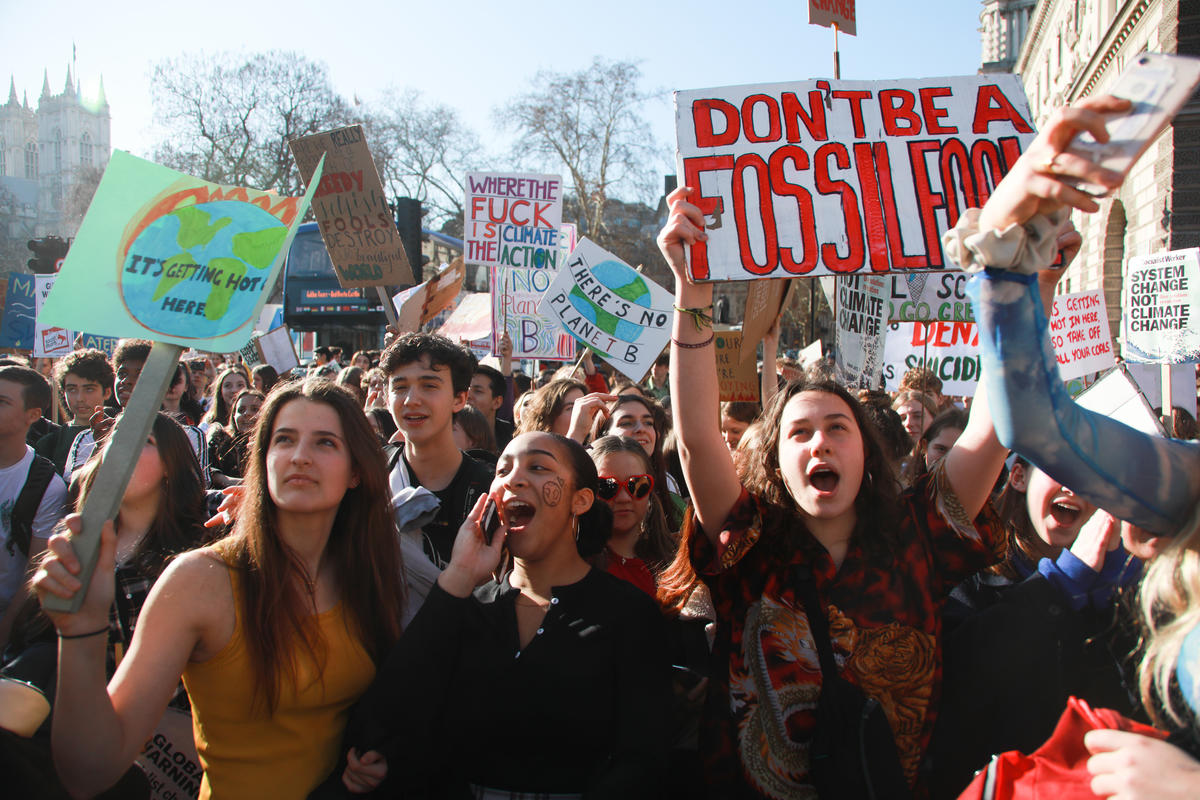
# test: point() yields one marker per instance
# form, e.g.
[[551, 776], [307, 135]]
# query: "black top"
[[1015, 651], [473, 478], [57, 444], [583, 708], [504, 433]]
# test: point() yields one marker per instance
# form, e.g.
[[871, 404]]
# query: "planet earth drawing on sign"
[[624, 282], [199, 271]]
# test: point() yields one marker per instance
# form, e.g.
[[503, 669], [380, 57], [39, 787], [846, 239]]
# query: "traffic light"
[[408, 221], [47, 252]]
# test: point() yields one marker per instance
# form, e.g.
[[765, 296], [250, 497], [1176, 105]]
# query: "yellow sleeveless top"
[[248, 754]]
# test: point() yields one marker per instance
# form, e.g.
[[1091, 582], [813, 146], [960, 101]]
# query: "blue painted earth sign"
[[200, 270], [612, 308], [165, 256]]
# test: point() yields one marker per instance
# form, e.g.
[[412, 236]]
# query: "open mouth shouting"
[[516, 514], [1066, 511], [824, 479]]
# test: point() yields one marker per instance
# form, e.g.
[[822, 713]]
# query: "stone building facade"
[[45, 151], [1074, 49]]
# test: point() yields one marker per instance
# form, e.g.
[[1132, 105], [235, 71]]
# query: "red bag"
[[1058, 769]]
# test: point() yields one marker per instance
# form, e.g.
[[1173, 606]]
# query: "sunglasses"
[[638, 486]]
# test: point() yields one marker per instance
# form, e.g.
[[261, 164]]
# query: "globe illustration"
[[199, 271], [624, 282]]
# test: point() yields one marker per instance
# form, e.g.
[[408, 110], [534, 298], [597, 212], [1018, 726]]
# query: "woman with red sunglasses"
[[642, 543]]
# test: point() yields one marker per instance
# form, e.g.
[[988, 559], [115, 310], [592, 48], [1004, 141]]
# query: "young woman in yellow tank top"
[[275, 629]]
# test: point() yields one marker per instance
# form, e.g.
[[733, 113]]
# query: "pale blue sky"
[[474, 55]]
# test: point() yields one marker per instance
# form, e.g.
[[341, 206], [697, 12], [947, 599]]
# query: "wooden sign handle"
[[116, 467]]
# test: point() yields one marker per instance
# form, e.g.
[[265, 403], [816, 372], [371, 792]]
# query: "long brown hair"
[[875, 506], [278, 618], [218, 409], [658, 461], [546, 404], [179, 522]]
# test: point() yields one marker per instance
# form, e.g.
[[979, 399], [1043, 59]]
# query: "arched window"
[[85, 150], [58, 143], [31, 160]]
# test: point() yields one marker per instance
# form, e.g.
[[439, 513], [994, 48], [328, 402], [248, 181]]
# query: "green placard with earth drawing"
[[168, 257]]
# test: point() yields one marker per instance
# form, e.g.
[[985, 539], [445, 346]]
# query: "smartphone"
[[1158, 86], [490, 522]]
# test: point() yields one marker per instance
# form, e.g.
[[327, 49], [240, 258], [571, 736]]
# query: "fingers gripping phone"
[[1158, 86], [490, 522]]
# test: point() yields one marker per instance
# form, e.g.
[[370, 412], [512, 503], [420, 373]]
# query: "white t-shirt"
[[50, 511]]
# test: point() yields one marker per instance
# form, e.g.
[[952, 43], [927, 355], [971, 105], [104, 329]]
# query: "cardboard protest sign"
[[472, 319], [926, 296], [20, 309], [516, 294], [92, 341], [169, 758], [417, 306], [860, 330], [827, 177], [275, 347], [49, 341], [950, 349], [1116, 395], [1079, 334], [171, 258], [1161, 298], [607, 305], [828, 13], [811, 354], [513, 220], [764, 300], [352, 210], [737, 376]]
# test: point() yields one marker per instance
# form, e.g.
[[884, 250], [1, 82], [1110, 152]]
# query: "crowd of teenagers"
[[415, 575]]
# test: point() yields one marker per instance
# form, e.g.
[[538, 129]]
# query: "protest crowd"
[[411, 573]]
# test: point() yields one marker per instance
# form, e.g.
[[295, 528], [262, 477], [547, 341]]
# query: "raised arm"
[[1151, 482], [707, 464], [98, 730]]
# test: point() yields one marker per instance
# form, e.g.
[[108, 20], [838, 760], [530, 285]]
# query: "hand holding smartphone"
[[490, 522], [1158, 86]]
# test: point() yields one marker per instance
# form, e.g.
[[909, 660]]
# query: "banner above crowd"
[[826, 177], [612, 308], [168, 257], [1161, 301], [513, 220]]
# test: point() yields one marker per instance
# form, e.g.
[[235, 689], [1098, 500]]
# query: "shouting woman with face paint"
[[552, 680]]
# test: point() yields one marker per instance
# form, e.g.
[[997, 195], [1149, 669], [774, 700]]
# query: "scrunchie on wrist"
[[1025, 248]]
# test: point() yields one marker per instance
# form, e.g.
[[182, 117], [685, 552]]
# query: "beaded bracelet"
[[700, 315], [697, 345], [83, 635]]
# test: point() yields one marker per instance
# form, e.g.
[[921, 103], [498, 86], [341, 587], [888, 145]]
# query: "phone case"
[[1158, 85]]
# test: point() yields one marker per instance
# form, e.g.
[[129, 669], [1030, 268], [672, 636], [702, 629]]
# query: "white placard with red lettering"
[[48, 340], [833, 12], [826, 177], [1079, 333], [950, 349], [513, 220]]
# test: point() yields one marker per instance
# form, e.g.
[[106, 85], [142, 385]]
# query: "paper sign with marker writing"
[[516, 294], [49, 341], [612, 308], [860, 331], [417, 306], [737, 377], [20, 309], [926, 296], [1080, 335], [171, 258], [831, 177], [1161, 300], [471, 321], [950, 349], [351, 208], [513, 220]]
